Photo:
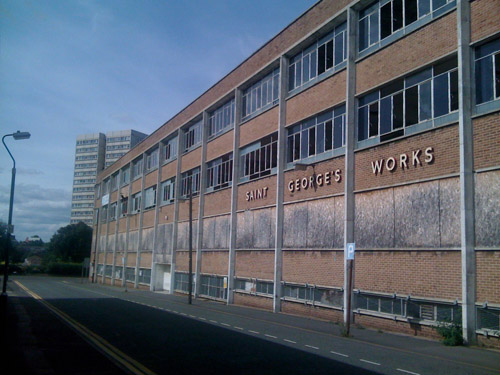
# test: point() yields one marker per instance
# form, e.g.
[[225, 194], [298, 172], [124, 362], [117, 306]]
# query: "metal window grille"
[[222, 118], [190, 177], [192, 136], [144, 276], [220, 172], [261, 161], [213, 286], [181, 282], [130, 274]]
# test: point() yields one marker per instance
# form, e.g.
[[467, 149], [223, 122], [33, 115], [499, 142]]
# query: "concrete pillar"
[[349, 147], [141, 218], [96, 243], [280, 183], [466, 172], [129, 201], [201, 201], [117, 221], [106, 243], [234, 196], [175, 223], [157, 214]]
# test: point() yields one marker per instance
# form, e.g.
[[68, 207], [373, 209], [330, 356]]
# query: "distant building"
[[34, 238], [93, 153], [33, 260], [118, 143]]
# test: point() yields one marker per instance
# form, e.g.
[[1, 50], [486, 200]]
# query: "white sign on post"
[[351, 248]]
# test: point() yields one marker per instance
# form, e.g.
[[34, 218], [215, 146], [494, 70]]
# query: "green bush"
[[451, 332], [64, 269]]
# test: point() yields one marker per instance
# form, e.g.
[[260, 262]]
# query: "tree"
[[71, 243]]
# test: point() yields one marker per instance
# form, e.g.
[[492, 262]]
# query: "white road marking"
[[225, 324], [201, 318], [408, 372], [241, 329], [373, 363], [336, 353], [176, 312], [184, 314], [192, 316], [168, 310], [271, 336], [214, 321], [290, 341], [253, 331], [312, 347]]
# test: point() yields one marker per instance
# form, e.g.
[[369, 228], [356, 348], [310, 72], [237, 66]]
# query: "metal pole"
[[349, 297], [190, 241], [9, 225]]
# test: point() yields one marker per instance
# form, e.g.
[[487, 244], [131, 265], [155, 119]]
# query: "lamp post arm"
[[3, 141]]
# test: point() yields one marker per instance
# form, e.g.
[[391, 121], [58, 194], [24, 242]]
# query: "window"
[[136, 203], [144, 276], [84, 181], [86, 149], [105, 187], [181, 282], [152, 160], [104, 213], [417, 98], [86, 157], [117, 139], [130, 274], [125, 176], [190, 178], [316, 136], [87, 142], [368, 26], [321, 56], [125, 146], [192, 136], [220, 172], [85, 165], [260, 158], [100, 269], [221, 119], [112, 212], [150, 197], [261, 94], [488, 72], [170, 149], [384, 18], [114, 182], [123, 206], [168, 191], [213, 286], [314, 294], [137, 168]]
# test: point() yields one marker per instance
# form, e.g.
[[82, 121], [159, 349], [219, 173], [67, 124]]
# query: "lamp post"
[[17, 136]]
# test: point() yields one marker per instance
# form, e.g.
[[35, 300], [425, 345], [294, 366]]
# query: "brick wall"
[[487, 140], [488, 276], [190, 160], [182, 261], [437, 39], [334, 187], [220, 146], [254, 264], [445, 144], [419, 273], [214, 262], [151, 179], [269, 182], [253, 301], [484, 18], [266, 122], [317, 98], [218, 202], [314, 267]]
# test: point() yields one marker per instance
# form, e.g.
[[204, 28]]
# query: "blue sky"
[[75, 67]]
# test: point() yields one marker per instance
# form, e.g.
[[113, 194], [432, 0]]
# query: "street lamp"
[[17, 136]]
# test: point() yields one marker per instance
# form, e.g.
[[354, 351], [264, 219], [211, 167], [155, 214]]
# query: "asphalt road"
[[146, 333]]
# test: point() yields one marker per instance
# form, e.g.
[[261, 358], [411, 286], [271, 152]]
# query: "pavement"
[[31, 328]]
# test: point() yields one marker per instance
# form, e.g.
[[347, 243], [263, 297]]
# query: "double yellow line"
[[114, 354]]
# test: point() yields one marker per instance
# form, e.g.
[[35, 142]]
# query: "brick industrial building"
[[374, 123]]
